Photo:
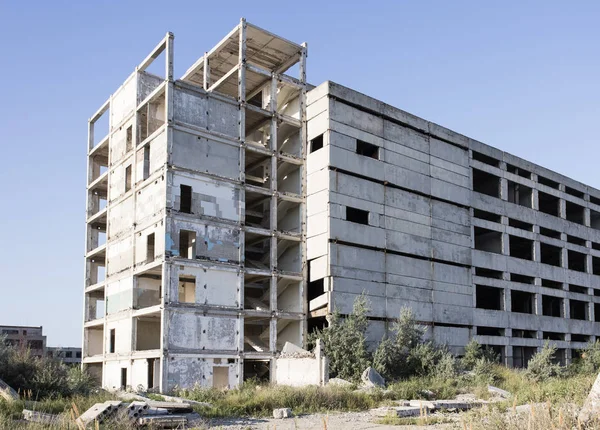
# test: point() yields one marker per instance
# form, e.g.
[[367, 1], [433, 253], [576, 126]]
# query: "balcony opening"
[[358, 216], [555, 285], [151, 117], [367, 149], [148, 289], [594, 219], [146, 166], [579, 338], [112, 340], [576, 261], [187, 289], [150, 251], [518, 171], [549, 233], [575, 240], [185, 204], [596, 312], [524, 334], [489, 331], [257, 292], [596, 265], [488, 216], [127, 178], [519, 194], [548, 182], [486, 159], [187, 244], [489, 298], [522, 302], [578, 289], [549, 204], [575, 213], [552, 335], [579, 309], [316, 143], [523, 279], [486, 183], [520, 224], [488, 240], [521, 247], [552, 306], [488, 273], [147, 333], [550, 254]]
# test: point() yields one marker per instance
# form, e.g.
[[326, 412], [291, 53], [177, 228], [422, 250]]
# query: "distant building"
[[66, 355], [25, 337]]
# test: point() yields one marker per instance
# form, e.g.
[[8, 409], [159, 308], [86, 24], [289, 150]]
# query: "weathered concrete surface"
[[282, 413], [7, 393], [591, 406], [371, 378]]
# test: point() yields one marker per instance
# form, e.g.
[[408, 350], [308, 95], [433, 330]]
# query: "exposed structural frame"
[[140, 332]]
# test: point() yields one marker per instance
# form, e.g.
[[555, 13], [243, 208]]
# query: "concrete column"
[[507, 300], [508, 356], [591, 312], [564, 258], [589, 267], [568, 352], [562, 208], [535, 199], [537, 304], [503, 189], [567, 308], [505, 244], [537, 256], [586, 216]]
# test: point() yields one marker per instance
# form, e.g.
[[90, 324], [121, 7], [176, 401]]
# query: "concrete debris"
[[416, 408], [498, 391], [7, 393], [282, 413], [40, 417], [591, 406], [136, 409], [455, 405], [428, 394], [371, 378], [291, 349], [99, 412], [164, 421], [182, 400], [179, 407], [396, 411], [424, 404], [339, 382]]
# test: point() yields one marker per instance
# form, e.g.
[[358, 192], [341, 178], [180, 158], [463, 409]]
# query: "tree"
[[542, 365]]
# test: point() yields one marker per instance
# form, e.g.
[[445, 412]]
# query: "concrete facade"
[[68, 355], [478, 242], [195, 235]]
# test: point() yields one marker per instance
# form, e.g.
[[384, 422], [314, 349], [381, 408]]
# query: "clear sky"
[[522, 76]]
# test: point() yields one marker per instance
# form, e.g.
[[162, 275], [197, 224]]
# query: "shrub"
[[387, 359], [541, 366], [590, 358], [474, 352]]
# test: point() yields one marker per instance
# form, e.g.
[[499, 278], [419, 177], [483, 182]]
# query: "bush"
[[590, 358], [345, 342], [542, 366], [474, 352]]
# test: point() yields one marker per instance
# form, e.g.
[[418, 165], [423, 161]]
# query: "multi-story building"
[[478, 242], [195, 234], [197, 253], [31, 338], [68, 355]]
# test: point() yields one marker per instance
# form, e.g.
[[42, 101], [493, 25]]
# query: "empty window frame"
[[519, 194], [523, 279], [578, 309], [127, 178], [150, 248], [576, 261], [574, 192], [367, 149], [187, 244], [518, 171], [524, 334], [555, 285], [550, 233], [488, 273], [486, 183], [489, 298], [596, 265], [112, 341], [185, 196], [575, 240], [578, 289], [550, 254], [596, 246], [488, 216], [579, 338], [575, 213], [146, 166], [187, 289], [488, 240], [486, 159], [552, 306], [358, 216], [596, 312], [549, 204], [520, 224], [489, 331], [129, 139], [548, 182], [316, 143], [594, 219], [595, 200], [521, 247], [552, 335], [523, 302]]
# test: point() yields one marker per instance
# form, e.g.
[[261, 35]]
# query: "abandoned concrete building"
[[229, 211]]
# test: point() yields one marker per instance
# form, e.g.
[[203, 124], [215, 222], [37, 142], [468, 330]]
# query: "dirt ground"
[[343, 420]]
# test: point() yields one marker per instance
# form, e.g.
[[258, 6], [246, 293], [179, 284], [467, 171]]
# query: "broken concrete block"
[[591, 406], [498, 391], [39, 417], [164, 421], [396, 411], [455, 404], [99, 412], [7, 393], [282, 413], [371, 378], [424, 404]]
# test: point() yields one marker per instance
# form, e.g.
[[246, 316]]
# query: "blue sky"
[[521, 76]]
